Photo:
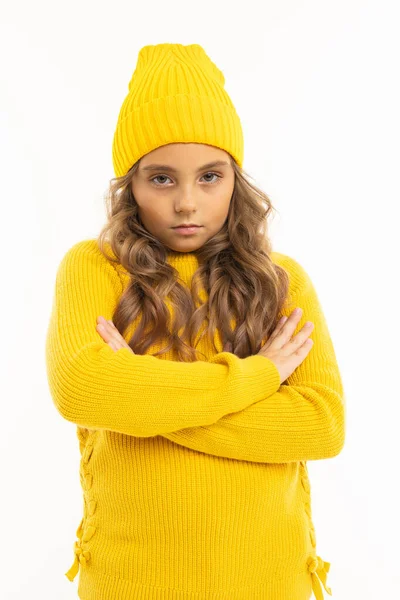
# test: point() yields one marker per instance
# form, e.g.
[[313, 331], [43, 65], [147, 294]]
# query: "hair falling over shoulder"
[[235, 269]]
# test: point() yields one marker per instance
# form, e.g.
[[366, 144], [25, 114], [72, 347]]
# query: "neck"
[[176, 255]]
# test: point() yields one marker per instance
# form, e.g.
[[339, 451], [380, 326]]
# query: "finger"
[[105, 336], [113, 345], [298, 341], [305, 347], [112, 336], [103, 331], [285, 332], [106, 322], [279, 327], [109, 337], [115, 332], [111, 331]]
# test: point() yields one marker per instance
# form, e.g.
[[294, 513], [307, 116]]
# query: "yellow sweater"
[[194, 475]]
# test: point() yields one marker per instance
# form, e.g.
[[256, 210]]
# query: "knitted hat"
[[176, 94]]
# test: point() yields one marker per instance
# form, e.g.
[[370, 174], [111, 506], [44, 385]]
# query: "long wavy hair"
[[235, 269]]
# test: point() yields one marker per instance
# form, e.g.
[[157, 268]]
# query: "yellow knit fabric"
[[176, 94], [194, 475]]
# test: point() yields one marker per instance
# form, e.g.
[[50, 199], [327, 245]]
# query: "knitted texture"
[[176, 94], [194, 475]]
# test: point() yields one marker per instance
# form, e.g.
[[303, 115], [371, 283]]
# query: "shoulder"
[[87, 248], [299, 279], [84, 258], [79, 254], [83, 248]]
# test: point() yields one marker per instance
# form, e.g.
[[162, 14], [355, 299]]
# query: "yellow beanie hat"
[[176, 94]]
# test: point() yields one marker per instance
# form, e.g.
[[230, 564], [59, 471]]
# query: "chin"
[[184, 246]]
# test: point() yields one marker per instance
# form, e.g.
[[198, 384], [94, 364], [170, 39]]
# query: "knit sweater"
[[194, 474]]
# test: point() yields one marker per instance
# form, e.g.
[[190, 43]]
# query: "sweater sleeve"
[[140, 395], [303, 420]]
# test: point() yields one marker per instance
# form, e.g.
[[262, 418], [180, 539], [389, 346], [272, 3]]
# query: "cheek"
[[154, 214], [220, 210]]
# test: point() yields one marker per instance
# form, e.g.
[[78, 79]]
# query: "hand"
[[111, 335], [288, 353]]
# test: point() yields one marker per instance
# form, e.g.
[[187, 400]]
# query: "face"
[[184, 190]]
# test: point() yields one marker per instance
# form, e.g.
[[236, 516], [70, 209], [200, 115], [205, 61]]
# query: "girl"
[[198, 392]]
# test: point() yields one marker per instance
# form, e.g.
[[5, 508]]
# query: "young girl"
[[198, 392]]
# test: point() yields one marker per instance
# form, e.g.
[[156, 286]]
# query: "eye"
[[216, 175], [157, 176], [166, 177]]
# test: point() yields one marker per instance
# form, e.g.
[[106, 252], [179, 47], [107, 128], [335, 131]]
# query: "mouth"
[[187, 225], [188, 229]]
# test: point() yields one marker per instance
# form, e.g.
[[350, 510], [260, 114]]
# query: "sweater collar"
[[186, 263]]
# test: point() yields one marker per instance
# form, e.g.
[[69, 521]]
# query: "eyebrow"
[[216, 163]]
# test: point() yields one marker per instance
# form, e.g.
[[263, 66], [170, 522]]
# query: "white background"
[[316, 85]]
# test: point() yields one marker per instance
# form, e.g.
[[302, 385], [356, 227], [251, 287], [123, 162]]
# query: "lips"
[[187, 230]]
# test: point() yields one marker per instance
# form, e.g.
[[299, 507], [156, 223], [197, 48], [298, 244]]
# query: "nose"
[[185, 201]]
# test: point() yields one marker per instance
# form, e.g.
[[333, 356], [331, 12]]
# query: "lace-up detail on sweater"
[[86, 528], [316, 565]]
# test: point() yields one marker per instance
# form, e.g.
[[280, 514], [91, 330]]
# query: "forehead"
[[172, 169], [185, 156]]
